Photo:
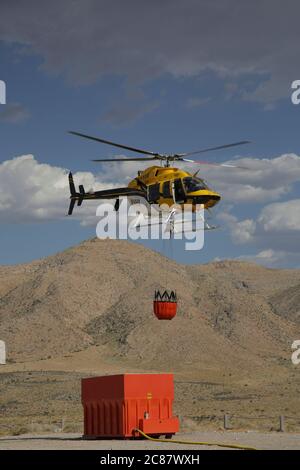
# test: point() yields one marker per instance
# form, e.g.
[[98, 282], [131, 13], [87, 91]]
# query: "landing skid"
[[172, 224]]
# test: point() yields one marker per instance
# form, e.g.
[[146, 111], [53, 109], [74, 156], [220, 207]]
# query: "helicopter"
[[162, 185]]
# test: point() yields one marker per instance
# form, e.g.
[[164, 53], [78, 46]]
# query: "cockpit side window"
[[166, 189], [192, 184]]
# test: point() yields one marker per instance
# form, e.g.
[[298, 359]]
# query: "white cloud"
[[269, 258], [273, 258], [276, 223], [275, 232], [121, 172], [281, 217], [244, 231], [263, 181], [33, 191]]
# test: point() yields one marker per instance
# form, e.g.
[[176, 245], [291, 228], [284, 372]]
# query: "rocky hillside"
[[232, 314]]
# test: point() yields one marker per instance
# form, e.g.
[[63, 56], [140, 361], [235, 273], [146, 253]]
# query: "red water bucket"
[[164, 310], [165, 305]]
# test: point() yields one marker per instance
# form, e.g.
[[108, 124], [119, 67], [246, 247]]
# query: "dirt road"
[[65, 441]]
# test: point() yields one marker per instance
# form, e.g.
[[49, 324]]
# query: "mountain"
[[231, 314], [89, 310]]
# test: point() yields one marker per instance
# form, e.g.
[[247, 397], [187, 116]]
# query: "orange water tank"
[[165, 305], [116, 405]]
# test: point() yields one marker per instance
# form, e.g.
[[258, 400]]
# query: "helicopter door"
[[178, 191], [166, 190], [153, 193]]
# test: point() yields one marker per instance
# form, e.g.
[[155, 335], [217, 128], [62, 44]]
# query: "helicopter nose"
[[215, 198], [209, 200]]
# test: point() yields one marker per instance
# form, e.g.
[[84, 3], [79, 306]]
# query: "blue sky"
[[89, 70]]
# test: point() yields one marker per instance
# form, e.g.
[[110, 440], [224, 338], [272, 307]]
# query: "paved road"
[[74, 442]]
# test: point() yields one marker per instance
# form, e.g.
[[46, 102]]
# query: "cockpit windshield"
[[192, 184]]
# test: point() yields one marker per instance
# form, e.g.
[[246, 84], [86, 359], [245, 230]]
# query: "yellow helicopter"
[[159, 185]]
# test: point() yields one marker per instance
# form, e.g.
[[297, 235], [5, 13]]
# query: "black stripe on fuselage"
[[205, 199]]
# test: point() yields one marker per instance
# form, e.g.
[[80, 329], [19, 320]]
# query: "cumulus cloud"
[[93, 38], [270, 258], [241, 231], [35, 192], [276, 223], [275, 233], [273, 258], [40, 191], [281, 217], [264, 180]]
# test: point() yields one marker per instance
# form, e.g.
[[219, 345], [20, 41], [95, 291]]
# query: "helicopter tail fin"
[[71, 207], [72, 185], [74, 196]]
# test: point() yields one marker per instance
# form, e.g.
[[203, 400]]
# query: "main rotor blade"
[[137, 159], [108, 142], [226, 165], [242, 142]]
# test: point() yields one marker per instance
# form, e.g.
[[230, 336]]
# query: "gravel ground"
[[74, 442]]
